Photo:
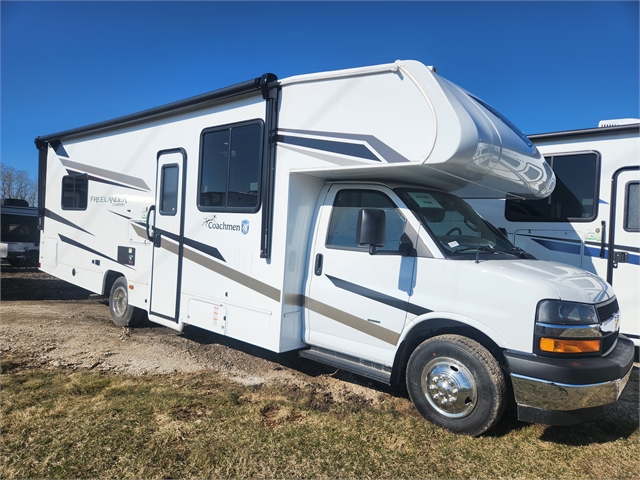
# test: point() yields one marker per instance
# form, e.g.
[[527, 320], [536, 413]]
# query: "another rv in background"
[[20, 236], [592, 219]]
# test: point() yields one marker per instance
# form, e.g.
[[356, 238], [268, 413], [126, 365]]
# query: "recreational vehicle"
[[323, 213], [19, 237], [592, 218]]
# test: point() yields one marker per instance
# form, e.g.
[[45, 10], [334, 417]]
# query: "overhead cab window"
[[75, 192], [575, 197], [230, 161]]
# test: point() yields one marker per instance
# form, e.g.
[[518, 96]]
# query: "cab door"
[[168, 235], [357, 301]]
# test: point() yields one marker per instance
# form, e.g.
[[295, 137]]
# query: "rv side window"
[[632, 207], [230, 160], [75, 192], [575, 197], [344, 218], [169, 190]]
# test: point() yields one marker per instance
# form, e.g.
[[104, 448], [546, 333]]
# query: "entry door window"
[[169, 190]]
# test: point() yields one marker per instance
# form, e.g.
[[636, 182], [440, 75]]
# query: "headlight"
[[558, 312]]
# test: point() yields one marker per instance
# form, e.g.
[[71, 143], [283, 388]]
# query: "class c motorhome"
[[592, 219], [323, 213]]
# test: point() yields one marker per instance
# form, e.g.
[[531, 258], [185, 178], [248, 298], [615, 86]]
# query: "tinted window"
[[575, 197], [19, 228], [169, 190], [344, 219], [230, 167], [75, 192], [632, 207]]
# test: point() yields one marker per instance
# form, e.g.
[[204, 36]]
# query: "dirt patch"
[[49, 323]]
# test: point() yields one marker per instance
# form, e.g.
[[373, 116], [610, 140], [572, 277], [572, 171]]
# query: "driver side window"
[[344, 218]]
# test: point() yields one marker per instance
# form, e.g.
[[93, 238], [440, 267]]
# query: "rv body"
[[20, 236], [592, 220], [322, 213]]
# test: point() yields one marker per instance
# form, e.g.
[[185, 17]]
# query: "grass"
[[88, 425]]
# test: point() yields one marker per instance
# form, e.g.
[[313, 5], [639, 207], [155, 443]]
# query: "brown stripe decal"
[[245, 280], [381, 333]]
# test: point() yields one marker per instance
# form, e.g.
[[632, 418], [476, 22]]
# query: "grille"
[[607, 309]]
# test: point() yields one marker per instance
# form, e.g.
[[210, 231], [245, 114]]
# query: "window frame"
[[162, 190], [220, 128], [364, 248], [596, 192], [625, 217], [75, 177]]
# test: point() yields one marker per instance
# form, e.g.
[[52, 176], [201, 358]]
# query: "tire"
[[122, 313], [456, 383]]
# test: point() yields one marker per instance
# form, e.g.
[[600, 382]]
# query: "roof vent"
[[618, 122]]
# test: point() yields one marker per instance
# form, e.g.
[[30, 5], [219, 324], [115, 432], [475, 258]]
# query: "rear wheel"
[[456, 383], [122, 313]]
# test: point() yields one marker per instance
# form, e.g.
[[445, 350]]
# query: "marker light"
[[559, 345]]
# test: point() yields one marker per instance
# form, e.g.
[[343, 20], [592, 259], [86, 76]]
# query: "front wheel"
[[122, 313], [456, 383]]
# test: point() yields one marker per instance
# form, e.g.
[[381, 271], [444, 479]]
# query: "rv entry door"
[[168, 235], [623, 267]]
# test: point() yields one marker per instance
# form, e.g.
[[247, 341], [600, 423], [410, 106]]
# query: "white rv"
[[322, 213], [19, 238], [592, 219]]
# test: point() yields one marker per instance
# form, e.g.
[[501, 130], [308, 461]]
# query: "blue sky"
[[547, 66]]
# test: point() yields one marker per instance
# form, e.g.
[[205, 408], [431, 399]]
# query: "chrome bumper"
[[534, 392]]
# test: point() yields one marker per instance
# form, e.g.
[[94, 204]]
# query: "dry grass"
[[84, 425]]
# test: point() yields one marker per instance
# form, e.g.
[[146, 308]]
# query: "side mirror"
[[371, 229]]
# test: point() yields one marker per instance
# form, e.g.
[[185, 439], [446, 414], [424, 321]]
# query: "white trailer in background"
[[322, 213], [592, 219]]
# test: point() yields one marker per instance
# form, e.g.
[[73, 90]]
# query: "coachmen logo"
[[213, 224]]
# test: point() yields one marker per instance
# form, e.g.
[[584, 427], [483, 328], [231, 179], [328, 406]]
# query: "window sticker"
[[453, 244], [425, 200]]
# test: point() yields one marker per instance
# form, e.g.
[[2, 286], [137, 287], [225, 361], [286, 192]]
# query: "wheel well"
[[432, 328], [109, 279]]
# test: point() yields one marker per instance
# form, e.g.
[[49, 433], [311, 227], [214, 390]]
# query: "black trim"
[[600, 131], [42, 184], [271, 93], [378, 297], [74, 243], [91, 178], [59, 148], [574, 371], [612, 218], [60, 219], [204, 248], [341, 148], [250, 86], [120, 215]]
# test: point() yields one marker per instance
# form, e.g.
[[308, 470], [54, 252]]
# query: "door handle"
[[151, 209], [318, 265]]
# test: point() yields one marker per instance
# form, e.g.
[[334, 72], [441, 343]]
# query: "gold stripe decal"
[[381, 333], [245, 280]]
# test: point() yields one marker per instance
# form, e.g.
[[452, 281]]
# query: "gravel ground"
[[49, 323]]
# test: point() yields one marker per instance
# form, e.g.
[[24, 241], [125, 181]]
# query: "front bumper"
[[546, 385]]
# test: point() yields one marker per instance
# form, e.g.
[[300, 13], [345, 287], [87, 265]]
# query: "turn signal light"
[[558, 345]]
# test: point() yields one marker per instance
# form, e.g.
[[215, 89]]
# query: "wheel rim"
[[120, 302], [449, 387]]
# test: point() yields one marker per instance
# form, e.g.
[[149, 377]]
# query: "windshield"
[[454, 224]]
